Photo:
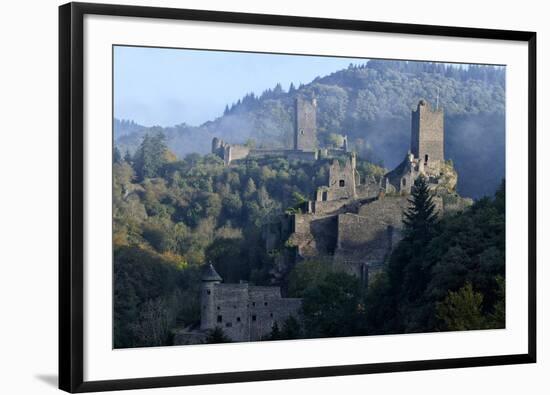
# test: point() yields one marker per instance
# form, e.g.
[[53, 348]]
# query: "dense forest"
[[370, 104], [172, 215]]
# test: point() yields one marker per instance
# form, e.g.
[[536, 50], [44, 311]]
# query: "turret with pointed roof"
[[210, 274]]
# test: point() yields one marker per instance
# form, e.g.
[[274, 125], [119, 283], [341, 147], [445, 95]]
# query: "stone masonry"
[[359, 225], [427, 134], [245, 312]]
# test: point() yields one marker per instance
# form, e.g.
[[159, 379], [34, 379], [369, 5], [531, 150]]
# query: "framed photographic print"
[[251, 197]]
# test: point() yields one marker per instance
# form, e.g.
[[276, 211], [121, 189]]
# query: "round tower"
[[210, 279]]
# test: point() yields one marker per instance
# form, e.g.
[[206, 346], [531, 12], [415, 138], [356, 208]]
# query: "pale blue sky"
[[157, 86]]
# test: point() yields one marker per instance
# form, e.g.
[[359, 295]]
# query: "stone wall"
[[370, 235], [235, 152], [342, 181], [245, 312], [305, 156], [314, 235], [328, 207]]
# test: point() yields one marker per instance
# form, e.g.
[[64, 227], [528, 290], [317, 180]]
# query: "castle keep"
[[305, 135], [427, 135]]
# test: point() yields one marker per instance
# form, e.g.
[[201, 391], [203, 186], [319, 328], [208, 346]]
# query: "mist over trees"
[[371, 103], [176, 214]]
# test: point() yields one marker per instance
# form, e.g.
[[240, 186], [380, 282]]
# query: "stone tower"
[[427, 135], [210, 278], [305, 127]]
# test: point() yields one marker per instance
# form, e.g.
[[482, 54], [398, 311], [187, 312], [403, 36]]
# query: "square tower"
[[427, 135], [305, 126]]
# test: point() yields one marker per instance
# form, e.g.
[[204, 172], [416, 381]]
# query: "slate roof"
[[210, 274]]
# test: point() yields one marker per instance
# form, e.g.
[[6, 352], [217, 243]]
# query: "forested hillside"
[[371, 104], [170, 216]]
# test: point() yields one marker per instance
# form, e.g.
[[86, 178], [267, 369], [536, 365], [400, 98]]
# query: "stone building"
[[245, 312]]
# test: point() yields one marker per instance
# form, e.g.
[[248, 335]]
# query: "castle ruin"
[[305, 144], [354, 222], [358, 224]]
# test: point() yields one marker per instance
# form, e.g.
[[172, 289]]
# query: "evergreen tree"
[[291, 329], [421, 216], [150, 156], [291, 88], [275, 332], [128, 157], [117, 156], [217, 335]]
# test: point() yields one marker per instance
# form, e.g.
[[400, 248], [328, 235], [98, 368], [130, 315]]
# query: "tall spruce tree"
[[408, 275], [421, 216]]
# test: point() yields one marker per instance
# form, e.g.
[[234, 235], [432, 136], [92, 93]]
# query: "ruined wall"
[[314, 235], [305, 126], [342, 181], [427, 134], [306, 156], [235, 152], [328, 207], [368, 190], [369, 235]]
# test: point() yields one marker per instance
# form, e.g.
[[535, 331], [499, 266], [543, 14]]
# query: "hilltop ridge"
[[372, 104]]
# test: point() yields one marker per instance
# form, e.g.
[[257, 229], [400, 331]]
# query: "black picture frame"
[[71, 204]]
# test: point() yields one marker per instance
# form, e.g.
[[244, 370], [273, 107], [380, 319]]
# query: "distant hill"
[[371, 104]]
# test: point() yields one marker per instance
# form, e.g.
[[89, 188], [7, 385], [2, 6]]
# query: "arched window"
[[342, 183], [426, 158], [404, 181]]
